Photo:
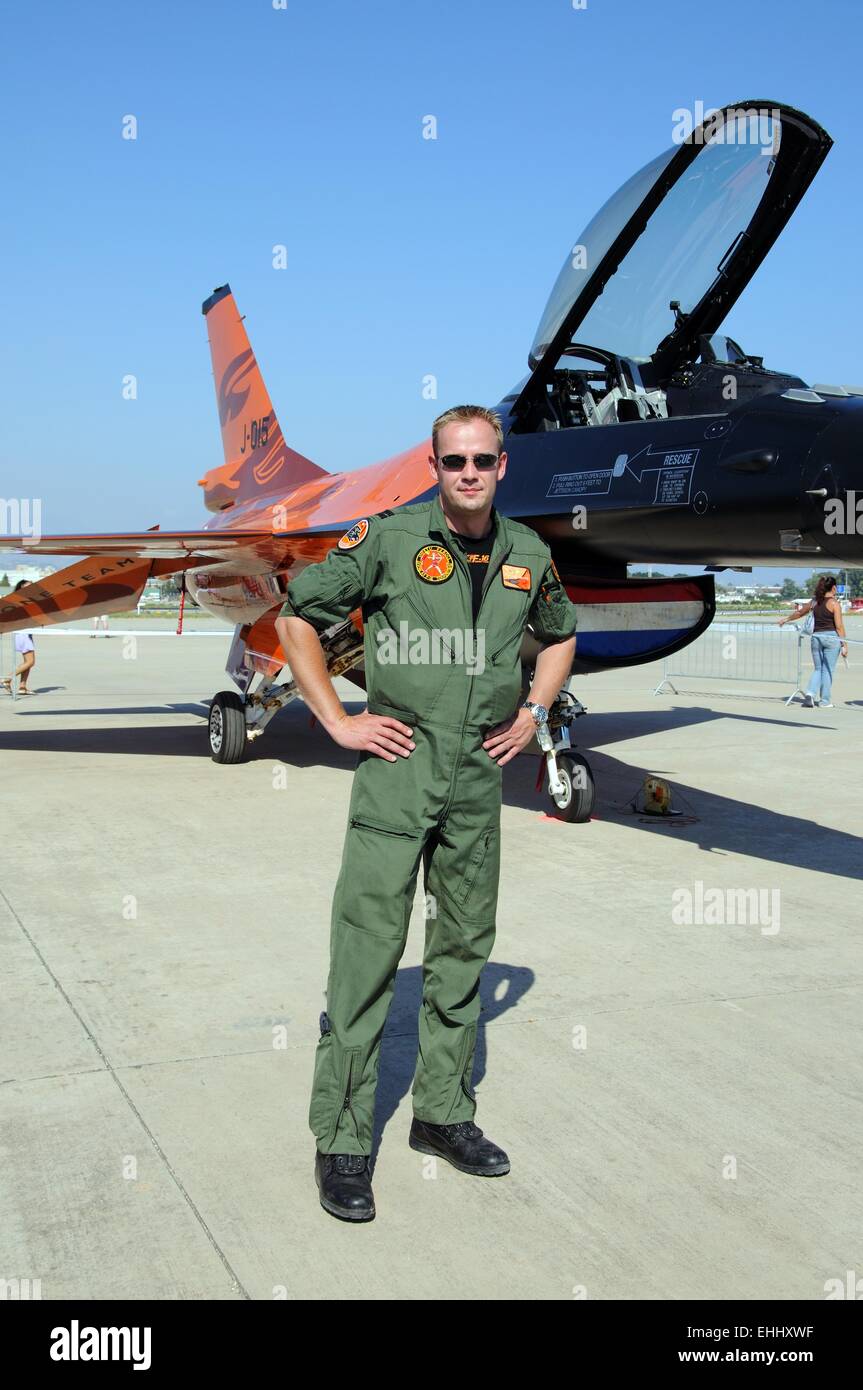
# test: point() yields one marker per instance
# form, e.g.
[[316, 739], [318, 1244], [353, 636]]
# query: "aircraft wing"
[[112, 576], [153, 545], [93, 586]]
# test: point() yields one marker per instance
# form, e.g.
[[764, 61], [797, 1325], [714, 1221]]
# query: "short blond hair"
[[459, 414]]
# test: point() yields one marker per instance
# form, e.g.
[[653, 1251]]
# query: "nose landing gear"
[[570, 779], [575, 799]]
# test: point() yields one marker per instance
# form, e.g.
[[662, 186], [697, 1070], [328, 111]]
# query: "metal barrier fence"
[[732, 651], [756, 652]]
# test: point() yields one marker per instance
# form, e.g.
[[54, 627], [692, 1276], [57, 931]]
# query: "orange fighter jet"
[[626, 441], [275, 512]]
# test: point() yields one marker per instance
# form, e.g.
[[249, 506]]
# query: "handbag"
[[809, 621]]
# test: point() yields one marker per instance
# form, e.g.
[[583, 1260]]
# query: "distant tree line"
[[790, 588]]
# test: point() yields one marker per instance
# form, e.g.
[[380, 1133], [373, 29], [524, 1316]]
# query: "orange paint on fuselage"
[[333, 500]]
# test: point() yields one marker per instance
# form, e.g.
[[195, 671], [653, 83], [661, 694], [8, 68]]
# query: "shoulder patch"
[[355, 535], [554, 570]]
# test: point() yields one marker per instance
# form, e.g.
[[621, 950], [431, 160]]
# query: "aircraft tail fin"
[[257, 459]]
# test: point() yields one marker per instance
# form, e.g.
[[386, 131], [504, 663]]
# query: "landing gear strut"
[[236, 719], [570, 779]]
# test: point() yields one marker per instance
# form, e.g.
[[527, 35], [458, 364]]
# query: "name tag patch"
[[515, 576]]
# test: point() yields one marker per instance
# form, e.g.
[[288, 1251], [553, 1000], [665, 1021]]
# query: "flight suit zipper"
[[425, 618], [486, 589], [502, 648], [358, 823], [467, 1061], [489, 579], [346, 1106], [487, 583], [473, 868]]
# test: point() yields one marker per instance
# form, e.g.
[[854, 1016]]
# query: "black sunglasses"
[[453, 462]]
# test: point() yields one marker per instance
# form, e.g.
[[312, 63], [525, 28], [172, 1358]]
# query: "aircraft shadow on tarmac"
[[198, 707], [400, 1039], [723, 825], [184, 740]]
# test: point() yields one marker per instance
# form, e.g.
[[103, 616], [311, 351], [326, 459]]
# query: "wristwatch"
[[539, 712]]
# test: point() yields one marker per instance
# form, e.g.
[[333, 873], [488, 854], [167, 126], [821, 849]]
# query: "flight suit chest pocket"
[[511, 621], [413, 655], [434, 607], [417, 612]]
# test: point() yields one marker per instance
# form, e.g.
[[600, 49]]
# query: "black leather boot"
[[345, 1184], [463, 1145]]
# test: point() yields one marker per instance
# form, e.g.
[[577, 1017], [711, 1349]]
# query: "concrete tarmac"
[[679, 1093]]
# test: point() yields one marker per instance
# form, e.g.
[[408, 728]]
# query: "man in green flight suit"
[[446, 589]]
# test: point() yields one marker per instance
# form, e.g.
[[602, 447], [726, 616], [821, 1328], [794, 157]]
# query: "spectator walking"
[[827, 637], [24, 648]]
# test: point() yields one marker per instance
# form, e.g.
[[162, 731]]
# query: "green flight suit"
[[449, 682]]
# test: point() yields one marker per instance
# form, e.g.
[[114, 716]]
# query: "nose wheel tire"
[[227, 728], [576, 801]]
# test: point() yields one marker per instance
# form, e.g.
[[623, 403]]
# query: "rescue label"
[[672, 486]]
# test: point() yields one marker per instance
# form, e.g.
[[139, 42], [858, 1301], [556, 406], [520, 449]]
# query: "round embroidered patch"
[[434, 564], [357, 533]]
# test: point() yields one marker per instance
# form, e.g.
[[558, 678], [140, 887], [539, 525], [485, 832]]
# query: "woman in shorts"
[[25, 649]]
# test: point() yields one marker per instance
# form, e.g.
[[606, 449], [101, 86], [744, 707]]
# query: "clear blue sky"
[[405, 256]]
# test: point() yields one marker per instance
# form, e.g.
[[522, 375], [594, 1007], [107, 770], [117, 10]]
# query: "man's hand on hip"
[[368, 733], [506, 740], [374, 733]]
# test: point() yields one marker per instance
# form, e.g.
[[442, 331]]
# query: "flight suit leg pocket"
[[376, 891], [371, 821], [476, 894], [380, 861]]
